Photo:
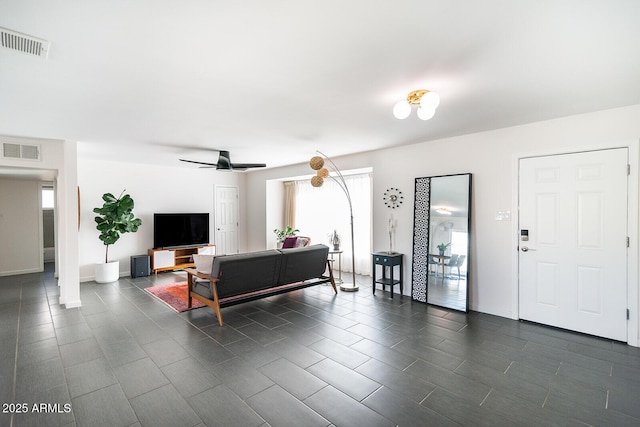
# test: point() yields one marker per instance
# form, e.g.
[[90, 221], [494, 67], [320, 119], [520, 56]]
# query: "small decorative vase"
[[336, 247], [441, 252]]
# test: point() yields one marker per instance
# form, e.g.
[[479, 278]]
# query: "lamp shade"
[[402, 110], [316, 163], [317, 181]]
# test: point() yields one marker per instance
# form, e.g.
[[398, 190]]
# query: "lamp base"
[[349, 287]]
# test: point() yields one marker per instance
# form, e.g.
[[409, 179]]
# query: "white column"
[[68, 247]]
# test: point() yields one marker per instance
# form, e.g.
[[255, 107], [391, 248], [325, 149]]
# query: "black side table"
[[386, 259]]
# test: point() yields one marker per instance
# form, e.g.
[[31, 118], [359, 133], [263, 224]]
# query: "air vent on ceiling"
[[20, 151], [24, 43]]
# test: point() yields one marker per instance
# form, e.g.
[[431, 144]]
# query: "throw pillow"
[[289, 242], [203, 262], [302, 241]]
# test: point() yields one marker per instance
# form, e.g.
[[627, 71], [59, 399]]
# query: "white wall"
[[274, 212], [153, 189], [491, 158], [59, 158], [20, 241]]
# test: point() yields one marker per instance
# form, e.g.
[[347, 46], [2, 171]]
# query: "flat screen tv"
[[180, 229]]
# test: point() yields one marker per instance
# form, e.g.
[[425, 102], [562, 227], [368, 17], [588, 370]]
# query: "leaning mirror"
[[441, 221]]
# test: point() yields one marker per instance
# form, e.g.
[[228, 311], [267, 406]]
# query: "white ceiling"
[[273, 81]]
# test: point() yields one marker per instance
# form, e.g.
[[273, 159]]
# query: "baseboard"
[[72, 304], [93, 278], [49, 254], [17, 272]]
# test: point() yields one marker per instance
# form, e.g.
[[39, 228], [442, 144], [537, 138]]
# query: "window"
[[48, 198], [459, 245], [320, 211]]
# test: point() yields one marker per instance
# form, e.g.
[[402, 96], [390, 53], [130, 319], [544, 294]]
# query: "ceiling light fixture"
[[425, 100], [443, 211]]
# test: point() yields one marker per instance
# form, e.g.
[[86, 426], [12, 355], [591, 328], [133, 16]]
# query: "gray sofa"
[[242, 277]]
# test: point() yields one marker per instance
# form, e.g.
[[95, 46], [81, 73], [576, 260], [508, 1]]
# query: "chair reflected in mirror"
[[452, 262], [459, 262], [435, 263]]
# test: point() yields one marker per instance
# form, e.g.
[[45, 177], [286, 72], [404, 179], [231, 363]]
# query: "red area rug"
[[175, 296]]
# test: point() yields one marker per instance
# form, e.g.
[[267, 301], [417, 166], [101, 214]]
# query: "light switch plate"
[[503, 216]]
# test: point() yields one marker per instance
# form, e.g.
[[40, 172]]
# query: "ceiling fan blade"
[[213, 165], [247, 165], [224, 163]]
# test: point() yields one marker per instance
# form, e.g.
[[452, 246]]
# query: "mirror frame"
[[422, 239]]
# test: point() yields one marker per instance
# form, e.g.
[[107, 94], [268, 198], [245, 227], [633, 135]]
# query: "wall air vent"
[[20, 151], [24, 43]]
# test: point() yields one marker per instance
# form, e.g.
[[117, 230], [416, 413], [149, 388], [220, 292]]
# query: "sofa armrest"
[[214, 302], [200, 275]]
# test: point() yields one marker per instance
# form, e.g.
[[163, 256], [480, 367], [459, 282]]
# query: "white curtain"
[[290, 203], [321, 210]]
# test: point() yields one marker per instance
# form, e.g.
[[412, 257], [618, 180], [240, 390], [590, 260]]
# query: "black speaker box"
[[140, 265]]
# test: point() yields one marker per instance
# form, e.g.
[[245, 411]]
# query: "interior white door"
[[573, 267], [226, 220]]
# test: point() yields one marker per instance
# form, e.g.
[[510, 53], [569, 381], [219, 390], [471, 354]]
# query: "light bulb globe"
[[425, 114], [430, 101], [402, 110]]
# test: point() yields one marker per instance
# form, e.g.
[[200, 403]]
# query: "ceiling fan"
[[224, 163]]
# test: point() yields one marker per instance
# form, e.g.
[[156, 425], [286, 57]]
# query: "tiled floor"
[[305, 358], [447, 291]]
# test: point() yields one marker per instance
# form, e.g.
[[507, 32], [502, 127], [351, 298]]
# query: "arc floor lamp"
[[318, 164]]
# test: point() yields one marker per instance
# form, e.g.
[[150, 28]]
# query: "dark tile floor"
[[305, 358], [447, 291]]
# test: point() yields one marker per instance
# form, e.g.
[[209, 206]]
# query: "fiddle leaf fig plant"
[[115, 217]]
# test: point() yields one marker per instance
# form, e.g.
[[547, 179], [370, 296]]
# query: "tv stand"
[[176, 258]]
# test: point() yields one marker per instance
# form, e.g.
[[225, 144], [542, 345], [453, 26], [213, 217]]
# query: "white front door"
[[573, 267], [226, 218]]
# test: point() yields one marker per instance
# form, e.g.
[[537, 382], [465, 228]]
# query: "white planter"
[[107, 272]]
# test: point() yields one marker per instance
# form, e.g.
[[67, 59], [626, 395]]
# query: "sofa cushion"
[[305, 263], [202, 287], [241, 273]]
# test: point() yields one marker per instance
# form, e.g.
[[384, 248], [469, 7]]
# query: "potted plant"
[[334, 239], [115, 217], [442, 247], [283, 234]]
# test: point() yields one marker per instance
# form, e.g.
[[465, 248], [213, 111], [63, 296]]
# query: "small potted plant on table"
[[442, 247], [283, 234]]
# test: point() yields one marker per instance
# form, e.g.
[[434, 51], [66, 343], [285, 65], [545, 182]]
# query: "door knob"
[[526, 249]]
